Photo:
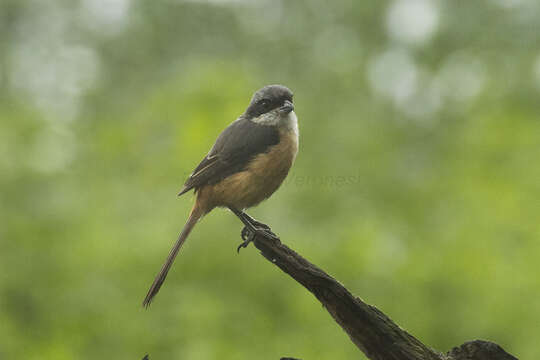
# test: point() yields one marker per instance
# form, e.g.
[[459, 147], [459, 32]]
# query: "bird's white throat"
[[275, 118], [291, 122]]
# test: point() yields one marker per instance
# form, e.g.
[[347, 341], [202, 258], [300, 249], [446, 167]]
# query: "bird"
[[246, 165]]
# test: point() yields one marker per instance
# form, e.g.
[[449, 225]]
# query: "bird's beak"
[[287, 107]]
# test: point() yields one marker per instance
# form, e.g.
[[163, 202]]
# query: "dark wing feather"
[[232, 151]]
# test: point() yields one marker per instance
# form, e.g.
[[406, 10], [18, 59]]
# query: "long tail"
[[194, 216]]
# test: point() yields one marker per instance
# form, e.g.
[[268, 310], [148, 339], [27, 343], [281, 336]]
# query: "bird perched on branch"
[[247, 164]]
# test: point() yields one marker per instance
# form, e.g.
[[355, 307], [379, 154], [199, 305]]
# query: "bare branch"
[[370, 330]]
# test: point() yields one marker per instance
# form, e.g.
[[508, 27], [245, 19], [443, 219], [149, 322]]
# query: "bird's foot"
[[257, 228], [247, 237], [255, 223]]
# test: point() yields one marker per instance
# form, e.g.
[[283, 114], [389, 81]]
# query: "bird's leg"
[[260, 228], [251, 228], [256, 223]]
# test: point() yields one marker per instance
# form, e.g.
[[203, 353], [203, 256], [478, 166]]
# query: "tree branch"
[[370, 330]]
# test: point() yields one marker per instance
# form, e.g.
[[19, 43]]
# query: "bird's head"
[[270, 105]]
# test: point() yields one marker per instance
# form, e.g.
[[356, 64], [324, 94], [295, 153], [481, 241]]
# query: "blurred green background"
[[417, 184]]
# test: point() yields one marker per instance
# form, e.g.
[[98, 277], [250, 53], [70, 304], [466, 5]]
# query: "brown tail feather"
[[194, 216]]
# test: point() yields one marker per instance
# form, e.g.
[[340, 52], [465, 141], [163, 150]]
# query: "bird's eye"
[[264, 103]]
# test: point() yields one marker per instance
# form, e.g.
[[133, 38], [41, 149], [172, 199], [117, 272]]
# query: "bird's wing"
[[232, 151]]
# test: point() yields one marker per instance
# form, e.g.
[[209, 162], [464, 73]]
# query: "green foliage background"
[[422, 196]]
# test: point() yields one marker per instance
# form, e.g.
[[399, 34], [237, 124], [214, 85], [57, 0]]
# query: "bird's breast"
[[262, 177], [276, 162]]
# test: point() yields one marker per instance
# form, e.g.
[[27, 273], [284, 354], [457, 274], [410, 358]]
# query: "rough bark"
[[374, 333]]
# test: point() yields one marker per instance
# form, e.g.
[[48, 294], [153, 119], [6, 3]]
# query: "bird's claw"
[[243, 245], [248, 235], [245, 234]]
